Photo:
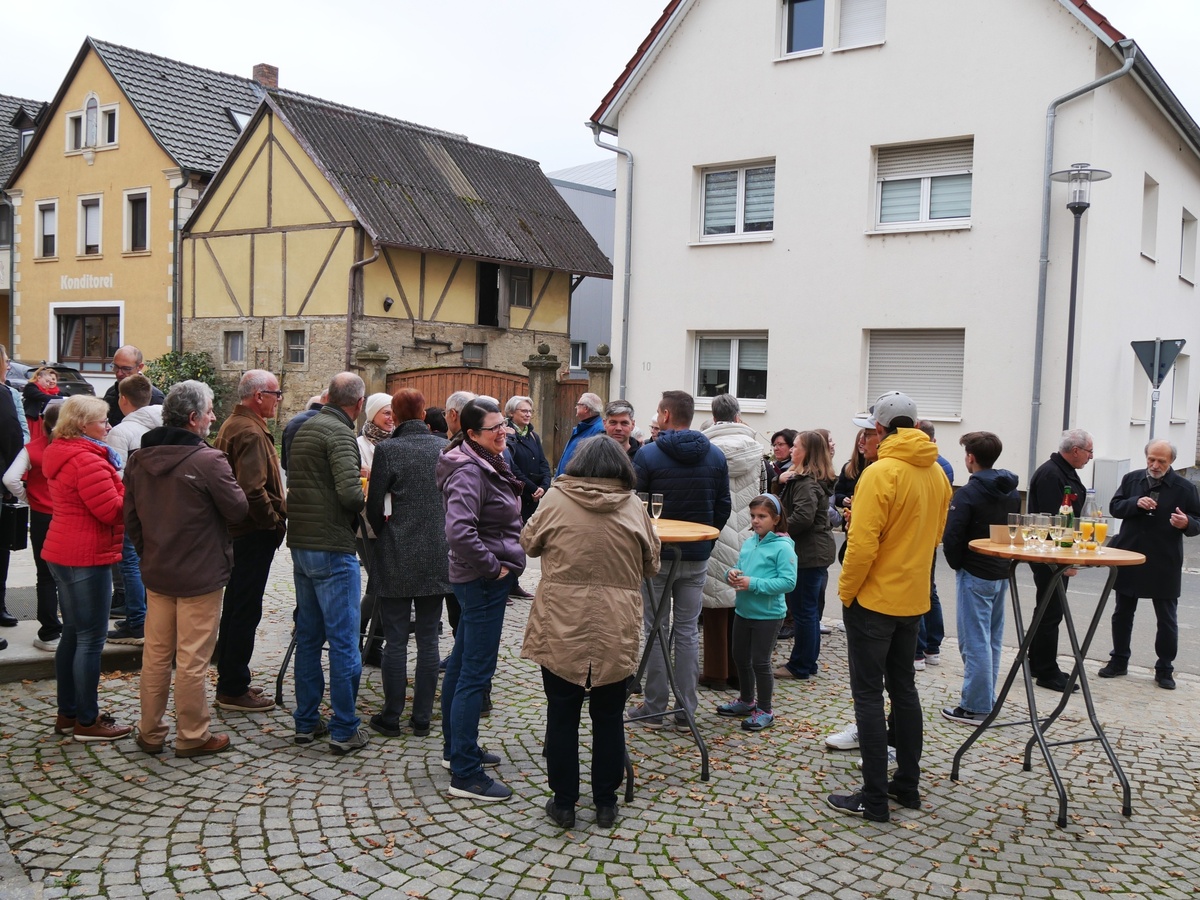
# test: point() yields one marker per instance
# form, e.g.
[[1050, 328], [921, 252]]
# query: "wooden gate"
[[569, 392]]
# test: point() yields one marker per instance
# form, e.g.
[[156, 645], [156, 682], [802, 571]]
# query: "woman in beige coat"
[[584, 629]]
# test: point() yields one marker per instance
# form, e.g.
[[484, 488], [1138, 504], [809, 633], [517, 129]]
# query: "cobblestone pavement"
[[272, 819]]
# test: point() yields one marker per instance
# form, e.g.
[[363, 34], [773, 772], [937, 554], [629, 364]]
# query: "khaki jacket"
[[597, 544]]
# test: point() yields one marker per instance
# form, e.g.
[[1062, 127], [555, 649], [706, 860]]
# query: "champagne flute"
[[1043, 530], [1087, 527], [645, 498], [1027, 529], [1014, 523], [1101, 533], [1079, 548], [656, 505]]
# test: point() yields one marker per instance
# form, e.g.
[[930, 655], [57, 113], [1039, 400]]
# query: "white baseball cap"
[[890, 406]]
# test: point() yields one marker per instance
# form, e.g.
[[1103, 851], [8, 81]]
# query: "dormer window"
[[240, 119]]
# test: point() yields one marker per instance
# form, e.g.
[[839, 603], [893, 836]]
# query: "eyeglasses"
[[276, 394], [525, 409], [124, 370], [498, 428]]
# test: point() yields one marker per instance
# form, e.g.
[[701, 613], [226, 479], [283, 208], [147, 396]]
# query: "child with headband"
[[766, 570]]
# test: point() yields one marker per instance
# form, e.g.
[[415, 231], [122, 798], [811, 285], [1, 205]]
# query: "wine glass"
[[1027, 530], [1079, 548], [1014, 523], [645, 498], [1042, 525], [1101, 533], [656, 505], [1087, 527]]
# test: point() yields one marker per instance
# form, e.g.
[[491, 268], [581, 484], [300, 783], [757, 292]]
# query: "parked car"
[[70, 382]]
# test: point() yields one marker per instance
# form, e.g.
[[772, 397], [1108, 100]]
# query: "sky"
[[518, 75]]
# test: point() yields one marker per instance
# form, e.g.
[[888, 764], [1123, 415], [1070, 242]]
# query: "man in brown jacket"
[[247, 442]]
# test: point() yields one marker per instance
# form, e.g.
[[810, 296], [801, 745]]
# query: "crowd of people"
[[442, 508]]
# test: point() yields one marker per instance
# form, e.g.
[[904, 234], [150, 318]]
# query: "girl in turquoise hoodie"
[[766, 570]]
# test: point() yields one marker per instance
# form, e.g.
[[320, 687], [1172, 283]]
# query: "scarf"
[[501, 467], [114, 457], [374, 433]]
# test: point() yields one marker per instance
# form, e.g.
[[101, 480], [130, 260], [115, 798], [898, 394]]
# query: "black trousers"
[[47, 589], [242, 610], [606, 706], [1166, 640], [1043, 652]]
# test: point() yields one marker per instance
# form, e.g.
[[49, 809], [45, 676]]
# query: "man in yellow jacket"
[[900, 506]]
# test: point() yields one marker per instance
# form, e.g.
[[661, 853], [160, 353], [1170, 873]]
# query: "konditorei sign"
[[85, 282]]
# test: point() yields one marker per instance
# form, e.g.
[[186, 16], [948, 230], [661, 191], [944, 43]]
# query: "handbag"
[[14, 527]]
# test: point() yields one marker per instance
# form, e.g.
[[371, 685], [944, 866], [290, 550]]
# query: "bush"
[[181, 365]]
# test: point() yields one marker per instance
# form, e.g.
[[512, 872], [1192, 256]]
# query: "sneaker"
[[758, 720], [481, 787], [933, 659], [1056, 683], [638, 715], [919, 664], [247, 702], [736, 709], [891, 759], [786, 633], [217, 743], [104, 728], [125, 633], [1113, 669], [50, 644], [562, 816], [1164, 681], [488, 759], [853, 805], [379, 725], [962, 717], [843, 740], [64, 724], [356, 741], [419, 729], [825, 629], [908, 801], [307, 737]]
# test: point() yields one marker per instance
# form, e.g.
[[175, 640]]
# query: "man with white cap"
[[900, 506]]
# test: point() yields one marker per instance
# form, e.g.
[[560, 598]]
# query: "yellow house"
[[115, 165], [330, 231]]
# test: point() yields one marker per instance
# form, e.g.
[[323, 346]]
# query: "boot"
[[7, 620]]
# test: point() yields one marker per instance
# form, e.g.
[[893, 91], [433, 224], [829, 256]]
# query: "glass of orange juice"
[[1101, 533], [1087, 529]]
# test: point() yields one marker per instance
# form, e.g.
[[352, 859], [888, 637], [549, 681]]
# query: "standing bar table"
[[672, 533], [1059, 560]]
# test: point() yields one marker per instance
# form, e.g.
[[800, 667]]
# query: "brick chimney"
[[266, 75]]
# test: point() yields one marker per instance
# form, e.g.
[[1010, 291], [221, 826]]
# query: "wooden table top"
[[676, 531], [1059, 556]]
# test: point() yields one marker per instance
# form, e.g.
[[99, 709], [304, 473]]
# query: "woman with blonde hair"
[[83, 542], [804, 493]]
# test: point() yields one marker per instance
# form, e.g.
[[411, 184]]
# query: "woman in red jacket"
[[84, 540]]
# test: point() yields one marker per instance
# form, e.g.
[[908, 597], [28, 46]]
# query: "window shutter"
[[752, 354], [861, 22], [926, 364], [720, 202], [950, 197], [760, 199], [924, 159], [714, 353]]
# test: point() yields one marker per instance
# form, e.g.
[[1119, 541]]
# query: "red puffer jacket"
[[88, 500]]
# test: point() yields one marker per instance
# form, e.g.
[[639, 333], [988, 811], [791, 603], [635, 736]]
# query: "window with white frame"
[[1150, 218], [235, 347], [88, 340], [137, 221], [803, 26], [924, 185], [94, 126], [90, 226], [1181, 409], [925, 363], [732, 364], [26, 140], [861, 23], [1187, 248], [578, 354], [737, 201], [295, 344], [47, 229]]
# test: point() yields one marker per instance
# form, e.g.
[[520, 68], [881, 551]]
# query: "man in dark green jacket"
[[324, 498]]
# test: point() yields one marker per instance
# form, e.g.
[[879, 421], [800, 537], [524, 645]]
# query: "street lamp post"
[[1079, 180]]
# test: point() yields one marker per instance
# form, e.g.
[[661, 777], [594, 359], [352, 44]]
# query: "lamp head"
[[388, 303], [1079, 180]]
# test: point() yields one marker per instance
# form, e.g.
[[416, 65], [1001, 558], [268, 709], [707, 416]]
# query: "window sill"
[[1175, 421], [757, 237], [128, 254], [858, 46], [917, 227], [45, 259], [747, 406], [85, 257], [951, 419], [803, 54], [1139, 421], [1146, 255], [1187, 280]]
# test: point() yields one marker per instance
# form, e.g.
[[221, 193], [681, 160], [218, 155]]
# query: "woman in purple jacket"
[[482, 497]]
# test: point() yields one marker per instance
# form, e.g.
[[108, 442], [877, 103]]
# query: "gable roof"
[[12, 111], [1146, 76], [423, 189], [185, 108], [601, 175]]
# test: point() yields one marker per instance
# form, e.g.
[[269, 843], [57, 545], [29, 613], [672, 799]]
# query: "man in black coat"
[[1054, 479], [12, 439], [1159, 507]]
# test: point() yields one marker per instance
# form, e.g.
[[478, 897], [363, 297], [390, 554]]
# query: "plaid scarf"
[[497, 462]]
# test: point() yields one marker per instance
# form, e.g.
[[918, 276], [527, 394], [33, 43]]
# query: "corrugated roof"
[[185, 107], [10, 135], [429, 190], [601, 174]]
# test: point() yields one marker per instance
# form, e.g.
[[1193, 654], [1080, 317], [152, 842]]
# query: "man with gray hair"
[[246, 440], [743, 454], [454, 407], [324, 499], [1056, 481], [1158, 507], [128, 360], [588, 409], [618, 425]]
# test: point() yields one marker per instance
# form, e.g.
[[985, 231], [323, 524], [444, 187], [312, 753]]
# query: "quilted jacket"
[[87, 495]]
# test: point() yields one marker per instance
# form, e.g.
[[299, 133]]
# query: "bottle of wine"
[[1067, 514]]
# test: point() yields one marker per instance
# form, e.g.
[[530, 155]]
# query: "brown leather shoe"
[[147, 746], [248, 702], [64, 724], [215, 744], [103, 729]]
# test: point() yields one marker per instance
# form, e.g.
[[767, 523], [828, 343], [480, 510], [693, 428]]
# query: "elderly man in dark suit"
[[1158, 507]]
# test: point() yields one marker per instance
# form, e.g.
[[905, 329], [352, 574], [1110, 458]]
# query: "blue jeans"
[[804, 603], [470, 669], [328, 591], [980, 638], [85, 594], [135, 591], [932, 628], [683, 637]]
